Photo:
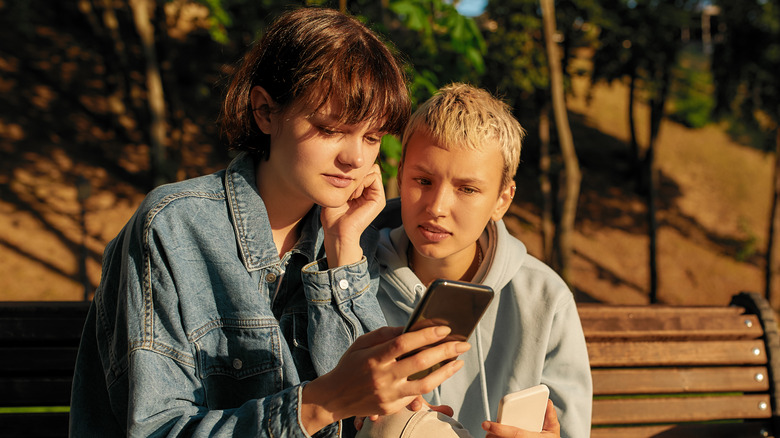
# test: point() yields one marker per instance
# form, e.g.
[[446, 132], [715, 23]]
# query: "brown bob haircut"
[[315, 56]]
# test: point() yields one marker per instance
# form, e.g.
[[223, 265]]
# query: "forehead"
[[335, 107], [424, 154], [330, 113]]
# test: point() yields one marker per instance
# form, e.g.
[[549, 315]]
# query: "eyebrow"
[[329, 118], [458, 181]]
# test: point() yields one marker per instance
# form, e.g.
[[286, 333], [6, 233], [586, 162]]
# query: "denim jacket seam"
[[238, 226], [163, 350], [102, 324], [230, 322], [237, 221], [148, 330], [351, 296]]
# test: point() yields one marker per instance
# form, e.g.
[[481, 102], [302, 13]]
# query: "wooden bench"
[[38, 344], [663, 371], [658, 371]]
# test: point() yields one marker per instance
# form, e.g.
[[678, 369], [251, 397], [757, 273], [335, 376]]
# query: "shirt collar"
[[250, 218]]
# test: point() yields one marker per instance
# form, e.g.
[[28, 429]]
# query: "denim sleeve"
[[171, 407], [165, 402], [149, 363], [342, 305]]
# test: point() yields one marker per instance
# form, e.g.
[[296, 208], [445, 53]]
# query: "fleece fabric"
[[530, 334]]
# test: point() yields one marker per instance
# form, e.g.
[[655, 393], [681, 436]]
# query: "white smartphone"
[[524, 409]]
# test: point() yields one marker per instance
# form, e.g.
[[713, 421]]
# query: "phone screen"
[[456, 304]]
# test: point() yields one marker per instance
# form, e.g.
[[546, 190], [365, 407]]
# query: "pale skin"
[[446, 203], [316, 160]]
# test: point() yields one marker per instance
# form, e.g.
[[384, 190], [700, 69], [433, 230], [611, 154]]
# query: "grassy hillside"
[[713, 209], [61, 123]]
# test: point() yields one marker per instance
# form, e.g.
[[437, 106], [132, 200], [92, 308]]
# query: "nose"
[[352, 153], [439, 201]]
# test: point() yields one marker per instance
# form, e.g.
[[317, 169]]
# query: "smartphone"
[[456, 304], [524, 409]]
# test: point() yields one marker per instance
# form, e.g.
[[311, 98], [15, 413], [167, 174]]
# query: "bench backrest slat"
[[667, 323], [37, 424], [680, 409], [663, 370], [679, 380], [747, 429], [35, 391], [38, 359], [636, 354]]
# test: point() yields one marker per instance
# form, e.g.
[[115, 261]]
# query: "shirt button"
[[343, 284], [270, 277], [237, 364]]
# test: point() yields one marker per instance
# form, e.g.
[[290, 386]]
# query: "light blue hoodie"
[[530, 334]]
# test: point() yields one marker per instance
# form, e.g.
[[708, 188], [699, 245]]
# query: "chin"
[[332, 200]]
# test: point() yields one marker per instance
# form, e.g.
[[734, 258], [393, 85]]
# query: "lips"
[[433, 233], [339, 181]]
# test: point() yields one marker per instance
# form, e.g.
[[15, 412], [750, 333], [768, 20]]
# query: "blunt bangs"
[[311, 57], [358, 74]]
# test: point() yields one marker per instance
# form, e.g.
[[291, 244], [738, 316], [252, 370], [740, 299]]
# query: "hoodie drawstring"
[[482, 379]]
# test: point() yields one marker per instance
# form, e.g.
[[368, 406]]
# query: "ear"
[[262, 108], [504, 201]]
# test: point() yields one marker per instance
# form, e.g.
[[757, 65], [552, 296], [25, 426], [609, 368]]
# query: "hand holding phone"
[[456, 304], [524, 409]]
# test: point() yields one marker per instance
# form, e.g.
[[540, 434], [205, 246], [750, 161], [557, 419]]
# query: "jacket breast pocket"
[[239, 361]]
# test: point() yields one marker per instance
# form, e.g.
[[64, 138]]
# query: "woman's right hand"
[[369, 380]]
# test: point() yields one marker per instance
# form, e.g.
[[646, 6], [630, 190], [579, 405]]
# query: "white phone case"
[[524, 409]]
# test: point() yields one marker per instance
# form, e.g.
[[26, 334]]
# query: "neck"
[[284, 213], [462, 268]]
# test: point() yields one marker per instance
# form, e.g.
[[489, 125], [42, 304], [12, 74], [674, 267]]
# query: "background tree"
[[641, 39], [519, 71], [745, 65], [571, 164], [440, 46]]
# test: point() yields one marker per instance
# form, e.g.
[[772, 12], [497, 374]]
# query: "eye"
[[327, 130], [469, 190], [373, 139], [422, 181]]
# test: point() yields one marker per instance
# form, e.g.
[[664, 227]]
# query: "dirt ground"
[[713, 211]]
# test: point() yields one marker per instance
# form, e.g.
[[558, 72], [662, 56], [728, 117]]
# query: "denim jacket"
[[199, 329]]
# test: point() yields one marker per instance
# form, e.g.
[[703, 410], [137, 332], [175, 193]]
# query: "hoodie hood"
[[396, 275], [530, 333], [503, 258]]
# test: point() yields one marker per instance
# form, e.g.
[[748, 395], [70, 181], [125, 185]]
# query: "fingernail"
[[442, 330], [462, 347]]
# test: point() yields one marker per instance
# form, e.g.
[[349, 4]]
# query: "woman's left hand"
[[343, 226]]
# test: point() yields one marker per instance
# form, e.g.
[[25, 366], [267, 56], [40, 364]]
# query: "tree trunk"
[[571, 164], [773, 215], [634, 159], [657, 104], [154, 89], [548, 227]]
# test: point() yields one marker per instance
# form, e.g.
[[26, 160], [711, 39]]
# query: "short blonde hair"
[[463, 116]]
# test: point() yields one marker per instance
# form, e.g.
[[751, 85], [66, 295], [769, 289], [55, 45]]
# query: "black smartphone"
[[456, 304]]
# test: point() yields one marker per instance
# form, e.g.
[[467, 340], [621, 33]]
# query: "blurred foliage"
[[441, 45], [438, 44], [745, 65], [640, 37], [692, 99], [516, 62]]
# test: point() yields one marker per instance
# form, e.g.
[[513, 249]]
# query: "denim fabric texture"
[[199, 329]]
